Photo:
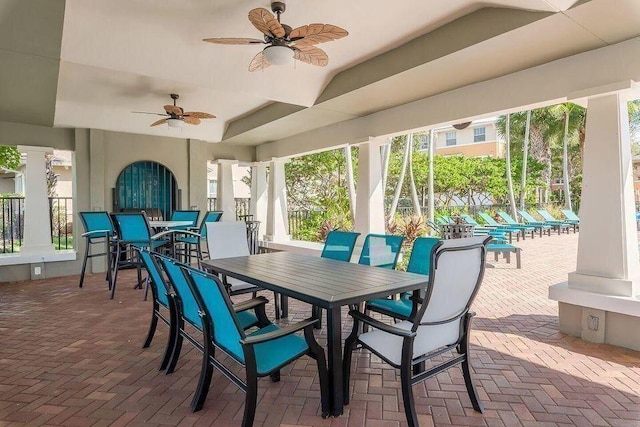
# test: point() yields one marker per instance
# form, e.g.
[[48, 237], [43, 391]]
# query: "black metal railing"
[[12, 225], [243, 206], [61, 221]]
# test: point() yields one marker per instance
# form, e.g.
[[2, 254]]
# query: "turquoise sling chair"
[[193, 242], [337, 246], [559, 223], [542, 225], [261, 353], [187, 308], [420, 263], [163, 298], [98, 231]]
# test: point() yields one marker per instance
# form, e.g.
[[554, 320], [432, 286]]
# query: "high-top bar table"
[[326, 283]]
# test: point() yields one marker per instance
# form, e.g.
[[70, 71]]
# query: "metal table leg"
[[334, 358]]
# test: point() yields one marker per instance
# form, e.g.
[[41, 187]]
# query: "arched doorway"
[[147, 186]]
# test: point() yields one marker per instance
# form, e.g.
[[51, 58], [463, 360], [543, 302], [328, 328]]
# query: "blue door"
[[147, 186]]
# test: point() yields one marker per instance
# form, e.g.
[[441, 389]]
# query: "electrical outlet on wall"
[[592, 322]]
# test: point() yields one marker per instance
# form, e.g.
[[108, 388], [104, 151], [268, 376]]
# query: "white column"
[[277, 218], [369, 191], [259, 195], [37, 226], [608, 244], [226, 200]]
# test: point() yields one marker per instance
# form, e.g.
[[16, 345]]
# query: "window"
[[213, 188], [451, 138], [480, 134], [425, 142]]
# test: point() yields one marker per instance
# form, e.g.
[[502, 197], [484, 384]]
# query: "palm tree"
[[414, 192], [405, 160], [350, 183], [512, 200], [432, 150], [525, 153]]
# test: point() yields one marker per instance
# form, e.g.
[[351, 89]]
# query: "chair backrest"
[[488, 219], [441, 221], [507, 218], [469, 219], [159, 287], [420, 260], [96, 221], [180, 286], [527, 216], [213, 300], [185, 216], [381, 250], [210, 216], [455, 277], [227, 239], [339, 245], [132, 227], [546, 215], [570, 215]]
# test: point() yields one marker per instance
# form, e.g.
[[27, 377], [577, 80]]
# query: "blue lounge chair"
[[490, 222], [543, 225], [573, 219], [506, 249], [559, 223], [492, 231], [513, 223]]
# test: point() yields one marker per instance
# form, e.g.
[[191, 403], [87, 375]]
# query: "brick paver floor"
[[71, 356]]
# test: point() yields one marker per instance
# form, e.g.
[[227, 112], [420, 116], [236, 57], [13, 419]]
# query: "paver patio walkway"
[[71, 356]]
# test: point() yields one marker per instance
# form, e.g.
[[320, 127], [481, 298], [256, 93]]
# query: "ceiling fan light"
[[175, 123], [278, 55]]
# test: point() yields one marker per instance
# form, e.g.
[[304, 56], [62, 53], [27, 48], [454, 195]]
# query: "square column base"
[[604, 285], [45, 249], [596, 317]]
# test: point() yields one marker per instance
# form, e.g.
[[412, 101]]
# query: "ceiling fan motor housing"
[[278, 7]]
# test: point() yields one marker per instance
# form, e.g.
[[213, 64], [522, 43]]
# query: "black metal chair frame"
[[250, 386], [104, 238], [187, 252], [411, 369]]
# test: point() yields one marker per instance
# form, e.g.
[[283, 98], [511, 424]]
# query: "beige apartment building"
[[477, 139]]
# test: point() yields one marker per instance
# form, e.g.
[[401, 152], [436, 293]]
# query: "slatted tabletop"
[[324, 282]]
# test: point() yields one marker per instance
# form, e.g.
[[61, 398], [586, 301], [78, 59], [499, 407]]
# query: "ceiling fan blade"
[[159, 122], [198, 115], [259, 62], [144, 112], [173, 109], [316, 33], [265, 22], [311, 55], [233, 40], [192, 120]]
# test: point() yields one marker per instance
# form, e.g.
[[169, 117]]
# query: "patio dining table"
[[326, 283]]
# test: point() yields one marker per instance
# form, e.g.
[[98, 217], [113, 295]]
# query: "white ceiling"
[[120, 56]]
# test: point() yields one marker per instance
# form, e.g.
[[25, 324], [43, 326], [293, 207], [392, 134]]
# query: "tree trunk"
[[525, 154], [512, 199], [565, 162], [403, 168], [414, 192], [350, 183], [432, 150]]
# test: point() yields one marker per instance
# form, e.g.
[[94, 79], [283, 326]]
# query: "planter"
[[456, 231]]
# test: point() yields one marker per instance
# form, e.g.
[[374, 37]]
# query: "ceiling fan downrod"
[[278, 7]]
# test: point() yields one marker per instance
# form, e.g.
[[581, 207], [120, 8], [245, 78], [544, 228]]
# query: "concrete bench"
[[506, 249]]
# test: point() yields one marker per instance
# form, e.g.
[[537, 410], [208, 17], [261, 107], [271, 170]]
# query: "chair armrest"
[[288, 330], [248, 305], [379, 325], [169, 232], [97, 233]]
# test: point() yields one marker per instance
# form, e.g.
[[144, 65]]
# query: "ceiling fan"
[[283, 42], [175, 116]]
